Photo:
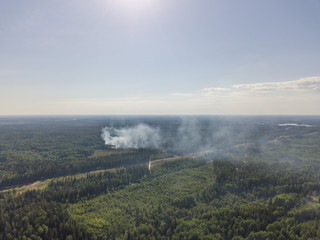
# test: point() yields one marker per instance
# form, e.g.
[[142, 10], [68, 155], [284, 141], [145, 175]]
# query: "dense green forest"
[[183, 199], [215, 195], [36, 151]]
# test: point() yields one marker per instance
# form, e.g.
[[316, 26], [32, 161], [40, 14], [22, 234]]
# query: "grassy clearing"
[[40, 185]]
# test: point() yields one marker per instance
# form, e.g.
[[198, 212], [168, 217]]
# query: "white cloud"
[[303, 85], [300, 96], [311, 83], [290, 97], [215, 91], [181, 94]]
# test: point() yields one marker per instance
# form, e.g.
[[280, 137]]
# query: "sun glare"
[[134, 5], [134, 9]]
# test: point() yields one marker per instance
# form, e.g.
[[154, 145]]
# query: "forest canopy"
[[264, 187]]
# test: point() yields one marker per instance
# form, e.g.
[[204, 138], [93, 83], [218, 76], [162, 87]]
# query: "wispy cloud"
[[311, 83], [301, 85], [216, 91], [181, 94]]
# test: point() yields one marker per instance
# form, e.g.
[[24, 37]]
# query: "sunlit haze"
[[151, 57]]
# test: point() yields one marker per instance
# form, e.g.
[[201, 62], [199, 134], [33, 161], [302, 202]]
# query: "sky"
[[160, 57]]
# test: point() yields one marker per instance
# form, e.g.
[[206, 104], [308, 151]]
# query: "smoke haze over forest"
[[197, 134]]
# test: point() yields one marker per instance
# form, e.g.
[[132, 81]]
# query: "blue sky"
[[159, 57]]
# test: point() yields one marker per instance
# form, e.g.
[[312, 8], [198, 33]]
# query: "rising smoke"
[[221, 136], [187, 136], [139, 136]]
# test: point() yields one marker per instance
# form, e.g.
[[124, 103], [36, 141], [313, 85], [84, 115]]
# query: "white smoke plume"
[[188, 135], [139, 136]]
